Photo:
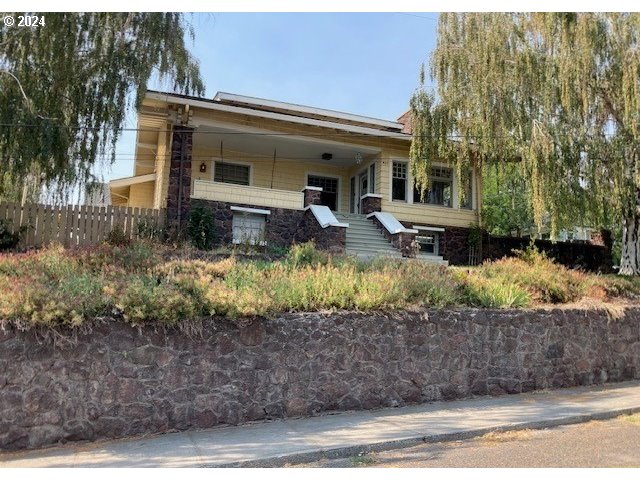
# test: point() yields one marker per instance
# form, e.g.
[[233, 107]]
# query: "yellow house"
[[276, 172]]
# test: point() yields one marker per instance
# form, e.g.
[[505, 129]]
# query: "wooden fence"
[[77, 225]]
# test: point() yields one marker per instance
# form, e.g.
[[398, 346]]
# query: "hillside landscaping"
[[144, 282]]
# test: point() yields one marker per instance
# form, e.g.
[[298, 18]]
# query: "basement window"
[[428, 243], [248, 228]]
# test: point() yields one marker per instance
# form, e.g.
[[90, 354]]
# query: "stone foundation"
[[283, 226], [118, 381], [453, 243], [370, 203], [404, 242]]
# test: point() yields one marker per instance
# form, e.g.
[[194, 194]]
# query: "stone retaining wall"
[[118, 381]]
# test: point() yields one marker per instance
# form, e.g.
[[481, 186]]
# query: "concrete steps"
[[365, 240]]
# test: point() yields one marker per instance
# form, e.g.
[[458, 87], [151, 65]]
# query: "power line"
[[282, 134], [418, 16]]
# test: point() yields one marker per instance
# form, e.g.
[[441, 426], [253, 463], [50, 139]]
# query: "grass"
[[362, 460], [150, 283], [507, 436], [633, 419]]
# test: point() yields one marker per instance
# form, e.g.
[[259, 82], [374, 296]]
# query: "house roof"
[[304, 111], [288, 112]]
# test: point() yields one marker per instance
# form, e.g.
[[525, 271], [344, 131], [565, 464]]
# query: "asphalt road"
[[611, 443]]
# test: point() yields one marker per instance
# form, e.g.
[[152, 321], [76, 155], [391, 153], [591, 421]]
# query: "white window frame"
[[232, 162], [252, 241], [455, 204], [436, 241], [408, 193]]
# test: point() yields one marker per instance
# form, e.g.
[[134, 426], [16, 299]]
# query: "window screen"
[[428, 243], [248, 229], [231, 173]]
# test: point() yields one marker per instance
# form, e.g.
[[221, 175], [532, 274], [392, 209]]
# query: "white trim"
[[371, 195], [294, 107], [328, 175], [429, 229], [309, 187], [409, 183], [325, 216], [261, 243], [199, 121], [391, 223], [165, 97], [126, 181], [231, 162], [259, 211]]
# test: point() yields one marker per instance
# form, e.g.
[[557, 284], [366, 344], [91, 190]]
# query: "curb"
[[341, 452]]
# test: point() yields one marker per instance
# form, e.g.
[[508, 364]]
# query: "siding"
[[418, 213], [289, 175], [223, 192], [141, 195]]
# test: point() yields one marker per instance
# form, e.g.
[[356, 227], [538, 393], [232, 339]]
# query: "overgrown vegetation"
[[201, 227], [8, 239], [145, 282]]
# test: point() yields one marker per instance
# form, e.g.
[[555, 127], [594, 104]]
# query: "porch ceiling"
[[263, 143]]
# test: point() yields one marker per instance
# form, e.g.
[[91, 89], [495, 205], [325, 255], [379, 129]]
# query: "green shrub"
[[117, 237], [201, 227], [495, 294], [303, 254], [143, 300]]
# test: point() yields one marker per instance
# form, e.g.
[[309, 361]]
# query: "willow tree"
[[557, 93], [67, 87]]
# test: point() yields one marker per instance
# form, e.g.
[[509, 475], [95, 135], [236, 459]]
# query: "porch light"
[[203, 167], [327, 156], [358, 158]]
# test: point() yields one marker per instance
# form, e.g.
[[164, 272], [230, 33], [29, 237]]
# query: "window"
[[440, 190], [467, 201], [428, 243], [329, 194], [372, 178], [231, 173], [399, 181], [248, 229]]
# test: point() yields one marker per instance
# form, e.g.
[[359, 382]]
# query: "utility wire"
[[282, 134]]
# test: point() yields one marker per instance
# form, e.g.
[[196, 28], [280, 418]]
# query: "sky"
[[362, 63]]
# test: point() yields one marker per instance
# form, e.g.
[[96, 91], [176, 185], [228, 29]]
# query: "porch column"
[[179, 196], [370, 202], [312, 195]]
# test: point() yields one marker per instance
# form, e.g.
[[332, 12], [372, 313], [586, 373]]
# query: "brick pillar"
[[370, 202], [179, 198], [312, 195]]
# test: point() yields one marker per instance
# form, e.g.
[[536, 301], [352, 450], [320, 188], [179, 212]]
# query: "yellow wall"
[[141, 195], [289, 174]]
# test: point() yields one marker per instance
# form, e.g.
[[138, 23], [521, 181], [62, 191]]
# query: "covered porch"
[[275, 169]]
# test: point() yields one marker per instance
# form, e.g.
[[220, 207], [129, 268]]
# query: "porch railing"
[[248, 195]]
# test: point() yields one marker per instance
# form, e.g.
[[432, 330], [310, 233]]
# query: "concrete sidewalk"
[[308, 439]]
